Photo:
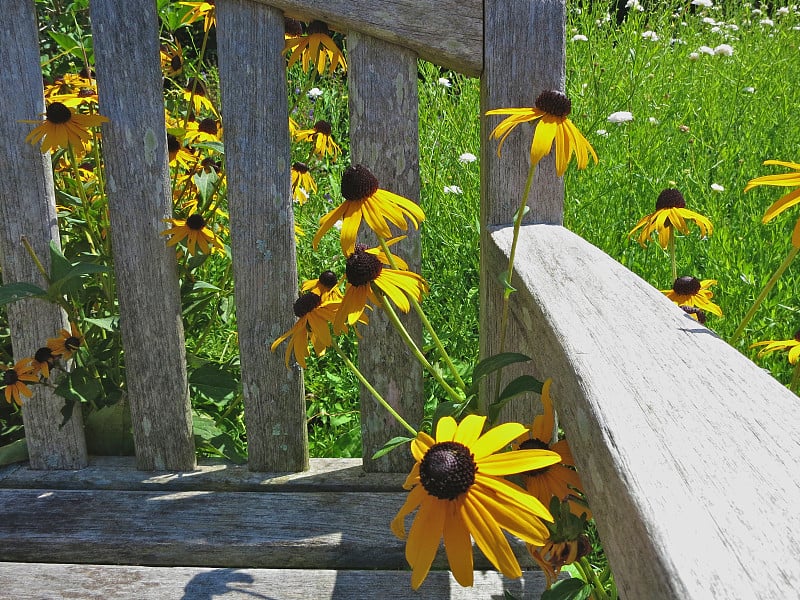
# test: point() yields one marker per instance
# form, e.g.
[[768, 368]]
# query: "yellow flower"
[[43, 360], [457, 484], [178, 153], [14, 379], [670, 214], [313, 316], [784, 202], [201, 10], [205, 130], [63, 127], [554, 480], [551, 110], [367, 272], [195, 231], [316, 47], [792, 345], [363, 199], [320, 136], [302, 182], [67, 343], [171, 58], [326, 286], [566, 544], [196, 95], [689, 291]]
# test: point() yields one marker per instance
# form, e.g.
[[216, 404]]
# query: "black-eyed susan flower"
[[792, 345], [364, 199], [201, 10], [315, 47], [42, 361], [205, 130], [67, 343], [558, 479], [63, 127], [326, 286], [303, 183], [566, 544], [320, 137], [670, 214], [551, 111], [784, 202], [196, 95], [366, 273], [171, 55], [178, 153], [14, 379], [690, 291], [313, 319], [196, 233], [458, 491]]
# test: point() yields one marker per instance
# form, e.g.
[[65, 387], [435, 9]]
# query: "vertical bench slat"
[[534, 34], [255, 107], [27, 208], [384, 136], [137, 181]]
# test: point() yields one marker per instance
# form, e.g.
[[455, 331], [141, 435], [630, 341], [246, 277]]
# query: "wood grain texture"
[[688, 451], [27, 209], [384, 136], [256, 117], [447, 33], [106, 582], [139, 196], [524, 54]]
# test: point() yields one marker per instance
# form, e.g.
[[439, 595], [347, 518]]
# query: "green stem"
[[427, 324], [412, 346], [87, 217], [372, 390], [599, 590], [35, 259], [671, 246], [767, 288], [200, 56], [793, 384], [507, 289]]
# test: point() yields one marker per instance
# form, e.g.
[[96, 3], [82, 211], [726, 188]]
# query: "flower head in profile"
[[670, 214], [689, 291], [363, 199], [67, 343], [196, 95], [320, 137], [367, 274], [196, 232], [792, 345], [42, 361], [302, 182], [553, 127], [205, 10], [566, 544], [313, 318], [458, 491], [63, 127], [784, 202], [14, 379], [326, 286], [559, 479], [316, 47], [171, 58]]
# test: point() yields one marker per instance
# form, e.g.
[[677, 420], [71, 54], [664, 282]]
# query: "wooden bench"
[[688, 450]]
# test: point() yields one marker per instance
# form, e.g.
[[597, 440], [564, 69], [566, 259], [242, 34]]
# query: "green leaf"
[[515, 387], [105, 323], [214, 381], [492, 364], [14, 452], [66, 43], [391, 445], [215, 146], [204, 427], [11, 292], [108, 431], [568, 589], [206, 184], [59, 265]]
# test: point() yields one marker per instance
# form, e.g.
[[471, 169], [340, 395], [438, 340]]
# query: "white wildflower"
[[453, 189], [693, 56], [580, 38], [602, 133], [706, 50], [621, 116], [652, 120], [749, 90], [650, 35], [467, 157], [767, 22], [705, 3], [717, 188], [634, 5], [724, 50], [709, 21], [445, 82], [314, 93]]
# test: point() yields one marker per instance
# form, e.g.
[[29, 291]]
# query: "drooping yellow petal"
[[489, 537], [413, 500], [458, 545], [782, 204], [423, 538]]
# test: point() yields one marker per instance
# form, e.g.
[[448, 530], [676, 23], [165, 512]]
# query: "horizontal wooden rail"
[[687, 449]]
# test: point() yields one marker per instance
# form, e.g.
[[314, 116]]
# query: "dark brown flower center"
[[195, 222], [58, 113], [323, 127], [208, 126], [697, 312], [292, 27], [44, 355], [10, 377], [86, 92], [176, 63], [328, 279], [362, 268], [797, 336], [72, 343], [358, 183], [318, 27], [447, 470], [305, 304], [686, 286], [535, 444], [670, 198], [300, 167], [173, 145], [555, 103]]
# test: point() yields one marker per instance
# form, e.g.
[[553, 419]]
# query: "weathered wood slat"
[[104, 582], [384, 109], [448, 33], [511, 26], [257, 157], [139, 196], [688, 450], [27, 208]]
